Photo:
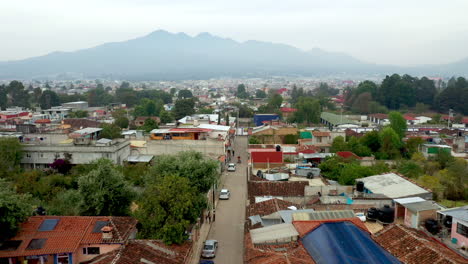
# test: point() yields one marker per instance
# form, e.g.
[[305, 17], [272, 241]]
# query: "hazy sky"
[[401, 32]]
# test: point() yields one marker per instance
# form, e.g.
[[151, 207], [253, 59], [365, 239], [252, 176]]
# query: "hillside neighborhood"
[[255, 171]]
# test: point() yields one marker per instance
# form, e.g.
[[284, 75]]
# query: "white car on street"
[[224, 194], [231, 167]]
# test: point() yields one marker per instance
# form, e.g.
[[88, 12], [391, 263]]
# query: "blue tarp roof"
[[344, 243]]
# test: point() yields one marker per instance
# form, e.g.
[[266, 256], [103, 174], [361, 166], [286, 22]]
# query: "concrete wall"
[[325, 190], [43, 155], [209, 148]]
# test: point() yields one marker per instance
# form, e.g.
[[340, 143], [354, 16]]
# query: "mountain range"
[[161, 55]]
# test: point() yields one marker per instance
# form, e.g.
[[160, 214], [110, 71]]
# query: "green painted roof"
[[306, 134], [336, 119]]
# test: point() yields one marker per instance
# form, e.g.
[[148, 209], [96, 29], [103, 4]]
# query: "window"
[[28, 155], [462, 230], [91, 251]]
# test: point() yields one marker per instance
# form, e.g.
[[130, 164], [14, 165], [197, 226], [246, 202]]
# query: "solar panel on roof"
[[37, 243], [48, 224], [99, 225], [10, 245]]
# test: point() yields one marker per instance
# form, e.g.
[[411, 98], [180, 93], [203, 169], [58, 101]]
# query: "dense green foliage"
[[398, 92], [104, 191], [78, 114], [241, 92], [167, 207], [110, 131], [10, 156], [346, 171], [49, 99], [14, 209], [184, 94], [184, 107], [201, 172]]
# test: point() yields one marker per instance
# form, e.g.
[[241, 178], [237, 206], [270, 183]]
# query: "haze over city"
[[384, 32]]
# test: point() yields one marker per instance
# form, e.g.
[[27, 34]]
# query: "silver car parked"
[[209, 249]]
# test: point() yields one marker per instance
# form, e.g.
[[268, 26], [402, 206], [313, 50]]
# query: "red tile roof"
[[347, 154], [412, 246], [268, 207], [305, 227], [379, 116], [153, 251], [320, 134], [42, 121], [288, 109], [287, 253], [270, 188], [68, 234]]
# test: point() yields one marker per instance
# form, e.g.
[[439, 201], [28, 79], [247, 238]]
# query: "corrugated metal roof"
[[422, 206], [336, 119], [214, 127], [159, 131], [88, 130], [458, 213], [409, 200], [140, 158], [287, 215], [323, 215], [274, 233]]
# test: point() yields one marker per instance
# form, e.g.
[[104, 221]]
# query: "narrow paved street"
[[228, 228]]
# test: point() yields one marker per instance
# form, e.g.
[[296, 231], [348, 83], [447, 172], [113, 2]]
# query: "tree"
[[308, 111], [361, 104], [173, 91], [324, 90], [184, 94], [254, 140], [338, 144], [260, 94], [63, 166], [10, 156], [3, 97], [410, 169], [104, 191], [49, 99], [275, 101], [78, 114], [99, 97], [148, 107], [19, 96], [201, 172], [149, 125], [65, 203], [241, 92], [455, 180], [165, 117], [357, 148], [14, 209], [397, 123], [122, 122], [291, 138], [184, 107], [371, 140], [167, 208], [296, 93], [421, 108], [126, 95], [390, 143], [110, 131]]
